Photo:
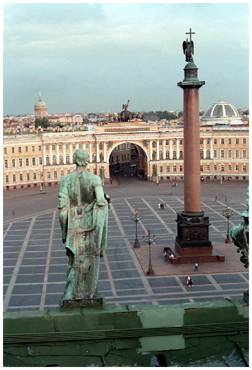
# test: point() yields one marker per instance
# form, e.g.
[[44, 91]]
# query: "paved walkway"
[[35, 262]]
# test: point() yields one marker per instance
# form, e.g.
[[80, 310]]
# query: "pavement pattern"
[[35, 262]]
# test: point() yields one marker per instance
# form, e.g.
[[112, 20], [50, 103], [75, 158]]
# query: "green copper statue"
[[83, 216], [240, 236]]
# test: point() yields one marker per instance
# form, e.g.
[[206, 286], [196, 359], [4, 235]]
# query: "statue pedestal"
[[84, 302], [192, 242]]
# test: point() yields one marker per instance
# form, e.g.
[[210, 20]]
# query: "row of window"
[[117, 158], [124, 146], [56, 176], [221, 167], [34, 176], [21, 149], [167, 155], [23, 162], [39, 176], [230, 154], [222, 141], [38, 161], [229, 141]]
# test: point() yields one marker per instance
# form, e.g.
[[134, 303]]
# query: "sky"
[[93, 57]]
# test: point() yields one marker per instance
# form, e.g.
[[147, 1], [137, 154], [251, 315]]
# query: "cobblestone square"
[[35, 262]]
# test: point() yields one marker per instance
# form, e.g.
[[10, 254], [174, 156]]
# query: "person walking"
[[196, 267], [189, 282]]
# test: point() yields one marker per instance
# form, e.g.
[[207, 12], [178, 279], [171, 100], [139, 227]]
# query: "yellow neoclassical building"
[[153, 152]]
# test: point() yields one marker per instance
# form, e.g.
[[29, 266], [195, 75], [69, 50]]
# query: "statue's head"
[[80, 157]]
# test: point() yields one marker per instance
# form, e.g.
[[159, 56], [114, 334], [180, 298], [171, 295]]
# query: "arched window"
[[154, 155], [160, 154], [167, 154]]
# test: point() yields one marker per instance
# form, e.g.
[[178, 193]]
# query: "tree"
[[42, 122]]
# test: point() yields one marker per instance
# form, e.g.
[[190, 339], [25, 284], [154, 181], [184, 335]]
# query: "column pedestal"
[[192, 243]]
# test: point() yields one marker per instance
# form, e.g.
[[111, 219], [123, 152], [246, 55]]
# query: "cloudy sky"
[[93, 57]]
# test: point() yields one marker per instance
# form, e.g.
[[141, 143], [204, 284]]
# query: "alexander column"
[[192, 241]]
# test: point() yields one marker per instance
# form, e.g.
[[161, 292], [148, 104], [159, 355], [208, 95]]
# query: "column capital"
[[191, 77]]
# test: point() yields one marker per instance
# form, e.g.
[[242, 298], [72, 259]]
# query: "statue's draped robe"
[[83, 215]]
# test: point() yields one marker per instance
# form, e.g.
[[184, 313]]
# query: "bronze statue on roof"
[[125, 114], [125, 106]]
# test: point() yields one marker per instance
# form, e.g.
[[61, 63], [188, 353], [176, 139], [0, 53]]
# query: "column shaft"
[[105, 152], [191, 150], [57, 153], [97, 153], [164, 151], [211, 148], [204, 148], [177, 148], [150, 150], [157, 150], [50, 154], [71, 152], [171, 149], [64, 153], [90, 153]]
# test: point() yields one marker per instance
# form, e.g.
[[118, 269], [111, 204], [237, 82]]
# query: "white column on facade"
[[71, 152], [171, 150], [44, 154], [211, 148], [157, 150], [57, 153], [90, 153], [177, 148], [50, 154], [164, 151], [97, 153], [64, 153], [204, 148], [105, 152], [150, 150]]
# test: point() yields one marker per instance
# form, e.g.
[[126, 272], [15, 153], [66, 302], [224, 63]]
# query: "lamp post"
[[228, 213], [149, 239], [136, 219]]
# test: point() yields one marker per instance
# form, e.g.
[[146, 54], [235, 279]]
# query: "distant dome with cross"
[[221, 113], [40, 108]]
